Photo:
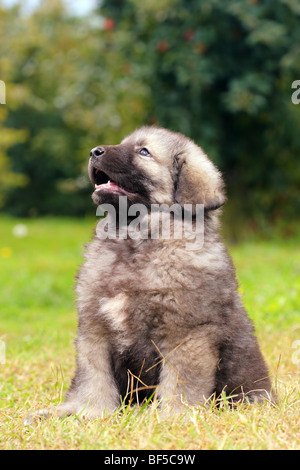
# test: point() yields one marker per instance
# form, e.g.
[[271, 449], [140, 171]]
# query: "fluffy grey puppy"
[[160, 315]]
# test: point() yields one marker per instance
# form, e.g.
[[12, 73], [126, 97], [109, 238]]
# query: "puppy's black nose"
[[96, 152]]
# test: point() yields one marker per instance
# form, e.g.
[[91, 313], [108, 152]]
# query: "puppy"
[[159, 315]]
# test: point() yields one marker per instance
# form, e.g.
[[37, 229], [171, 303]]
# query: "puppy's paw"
[[61, 411], [39, 415]]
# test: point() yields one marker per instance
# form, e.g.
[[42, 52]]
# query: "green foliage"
[[70, 93], [220, 72], [8, 179]]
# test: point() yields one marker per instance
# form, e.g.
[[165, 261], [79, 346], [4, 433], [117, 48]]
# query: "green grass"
[[38, 325]]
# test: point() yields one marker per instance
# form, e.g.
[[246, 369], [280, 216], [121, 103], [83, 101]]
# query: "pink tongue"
[[108, 185]]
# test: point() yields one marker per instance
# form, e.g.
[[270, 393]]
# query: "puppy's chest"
[[145, 270], [134, 291], [120, 267], [134, 296]]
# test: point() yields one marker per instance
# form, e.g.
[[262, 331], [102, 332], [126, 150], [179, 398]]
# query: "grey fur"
[[154, 316]]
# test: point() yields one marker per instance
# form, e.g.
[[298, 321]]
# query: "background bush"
[[220, 72]]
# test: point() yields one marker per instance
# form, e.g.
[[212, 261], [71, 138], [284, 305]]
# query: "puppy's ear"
[[198, 180]]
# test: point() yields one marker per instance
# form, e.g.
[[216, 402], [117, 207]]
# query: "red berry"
[[189, 35], [109, 24], [162, 46]]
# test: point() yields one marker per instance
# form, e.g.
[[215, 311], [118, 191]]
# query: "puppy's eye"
[[144, 152]]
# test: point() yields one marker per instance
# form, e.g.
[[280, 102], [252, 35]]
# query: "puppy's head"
[[155, 166]]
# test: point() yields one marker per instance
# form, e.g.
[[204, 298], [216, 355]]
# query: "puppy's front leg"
[[188, 372], [93, 391]]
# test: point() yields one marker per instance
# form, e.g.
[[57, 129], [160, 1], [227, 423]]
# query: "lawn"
[[38, 325]]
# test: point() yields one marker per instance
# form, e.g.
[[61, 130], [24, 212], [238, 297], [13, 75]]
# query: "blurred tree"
[[72, 90], [221, 72], [8, 178], [8, 136]]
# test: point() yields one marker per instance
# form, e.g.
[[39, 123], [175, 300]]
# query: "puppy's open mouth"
[[103, 182]]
